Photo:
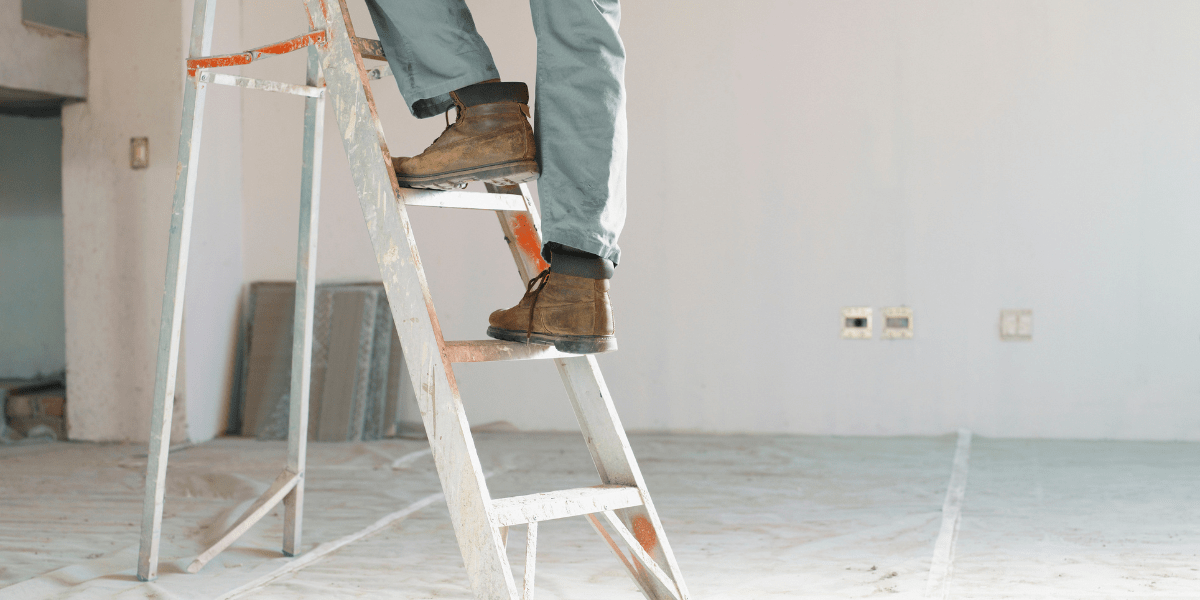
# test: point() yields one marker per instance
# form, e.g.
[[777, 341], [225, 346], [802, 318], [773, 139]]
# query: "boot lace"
[[540, 281], [457, 118]]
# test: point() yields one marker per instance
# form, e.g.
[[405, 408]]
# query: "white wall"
[[791, 158], [116, 226], [31, 247], [38, 62]]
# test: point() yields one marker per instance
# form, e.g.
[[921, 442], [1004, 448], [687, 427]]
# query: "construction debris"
[[35, 410], [358, 389]]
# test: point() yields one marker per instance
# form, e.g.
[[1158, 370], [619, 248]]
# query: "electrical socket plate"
[[856, 323], [1016, 325], [897, 323]]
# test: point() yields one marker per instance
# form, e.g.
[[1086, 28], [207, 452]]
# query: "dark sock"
[[488, 92], [484, 90], [576, 262]]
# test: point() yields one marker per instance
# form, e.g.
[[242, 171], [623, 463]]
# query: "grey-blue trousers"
[[579, 113]]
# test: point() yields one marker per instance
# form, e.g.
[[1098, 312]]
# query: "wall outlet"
[[856, 323], [139, 153], [897, 323], [1016, 325]]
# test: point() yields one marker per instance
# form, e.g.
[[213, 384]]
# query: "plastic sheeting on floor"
[[748, 517]]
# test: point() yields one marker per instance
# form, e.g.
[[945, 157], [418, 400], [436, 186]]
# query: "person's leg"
[[440, 61], [433, 49], [580, 124], [581, 133]]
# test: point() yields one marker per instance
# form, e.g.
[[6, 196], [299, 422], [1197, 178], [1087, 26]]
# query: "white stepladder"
[[336, 73]]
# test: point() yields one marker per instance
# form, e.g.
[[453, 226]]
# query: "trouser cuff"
[[577, 263], [431, 107]]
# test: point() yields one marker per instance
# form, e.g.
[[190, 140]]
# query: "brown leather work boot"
[[490, 141], [572, 313]]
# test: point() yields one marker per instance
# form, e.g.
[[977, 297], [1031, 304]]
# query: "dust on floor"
[[748, 517]]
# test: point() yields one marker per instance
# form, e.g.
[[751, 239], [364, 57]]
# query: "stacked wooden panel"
[[358, 389]]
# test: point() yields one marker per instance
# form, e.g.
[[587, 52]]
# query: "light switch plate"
[[139, 153], [856, 323], [897, 323], [1016, 325]]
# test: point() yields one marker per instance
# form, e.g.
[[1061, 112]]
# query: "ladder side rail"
[[609, 446], [171, 321], [530, 559], [593, 406], [640, 576], [306, 287], [522, 231], [421, 341], [639, 552]]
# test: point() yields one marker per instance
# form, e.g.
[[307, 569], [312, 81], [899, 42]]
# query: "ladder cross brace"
[[283, 485], [249, 56]]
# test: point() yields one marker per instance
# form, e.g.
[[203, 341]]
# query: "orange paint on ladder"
[[644, 532], [527, 240], [212, 62], [244, 58], [293, 44]]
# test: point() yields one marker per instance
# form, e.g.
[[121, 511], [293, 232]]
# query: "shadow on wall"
[[70, 15], [32, 331]]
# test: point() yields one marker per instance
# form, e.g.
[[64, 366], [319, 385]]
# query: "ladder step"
[[498, 350], [262, 84], [368, 48], [564, 503], [456, 199]]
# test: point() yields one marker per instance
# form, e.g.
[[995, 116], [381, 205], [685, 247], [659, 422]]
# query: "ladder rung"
[[564, 503], [261, 84], [455, 199], [498, 350], [382, 72], [368, 48]]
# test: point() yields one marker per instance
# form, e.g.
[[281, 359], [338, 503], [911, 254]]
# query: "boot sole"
[[510, 173], [571, 344]]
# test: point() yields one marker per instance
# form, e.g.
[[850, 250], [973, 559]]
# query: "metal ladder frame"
[[336, 72]]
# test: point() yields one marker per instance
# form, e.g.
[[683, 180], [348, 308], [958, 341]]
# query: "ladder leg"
[[530, 558], [616, 464], [173, 292], [302, 329], [421, 341]]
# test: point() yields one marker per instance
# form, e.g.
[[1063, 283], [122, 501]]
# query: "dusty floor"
[[749, 517]]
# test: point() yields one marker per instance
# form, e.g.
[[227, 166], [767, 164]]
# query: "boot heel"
[[588, 345], [511, 174]]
